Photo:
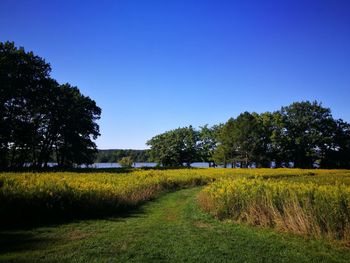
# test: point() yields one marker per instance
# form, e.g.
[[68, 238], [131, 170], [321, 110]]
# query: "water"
[[117, 165], [138, 165]]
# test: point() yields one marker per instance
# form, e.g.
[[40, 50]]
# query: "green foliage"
[[40, 118], [307, 132], [244, 140], [126, 162], [303, 133], [337, 152], [112, 156], [175, 147], [208, 140]]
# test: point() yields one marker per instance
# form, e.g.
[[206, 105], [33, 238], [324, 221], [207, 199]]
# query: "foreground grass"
[[171, 228], [46, 197]]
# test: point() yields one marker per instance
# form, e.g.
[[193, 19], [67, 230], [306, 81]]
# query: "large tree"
[[227, 149], [175, 147], [23, 77], [244, 140], [336, 153], [208, 137], [302, 134], [307, 128], [76, 126], [38, 115]]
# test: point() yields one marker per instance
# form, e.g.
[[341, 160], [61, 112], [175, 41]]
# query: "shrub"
[[126, 162]]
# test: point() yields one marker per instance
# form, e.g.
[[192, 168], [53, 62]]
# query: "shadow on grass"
[[28, 220], [22, 236], [20, 241]]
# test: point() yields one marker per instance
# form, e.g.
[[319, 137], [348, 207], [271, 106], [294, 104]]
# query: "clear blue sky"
[[157, 65]]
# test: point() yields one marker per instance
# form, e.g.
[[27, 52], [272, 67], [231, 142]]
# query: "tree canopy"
[[303, 134], [40, 118], [175, 147], [115, 155]]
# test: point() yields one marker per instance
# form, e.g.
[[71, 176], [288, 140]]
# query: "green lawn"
[[171, 228]]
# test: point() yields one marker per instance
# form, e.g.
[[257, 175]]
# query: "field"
[[302, 215]]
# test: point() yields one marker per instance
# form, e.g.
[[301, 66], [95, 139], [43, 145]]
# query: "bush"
[[126, 162]]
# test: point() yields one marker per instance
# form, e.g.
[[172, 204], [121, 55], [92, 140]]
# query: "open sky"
[[157, 65]]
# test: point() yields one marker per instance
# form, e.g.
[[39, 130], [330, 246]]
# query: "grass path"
[[169, 229]]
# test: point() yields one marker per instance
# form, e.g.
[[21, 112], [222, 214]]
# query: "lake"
[[138, 165]]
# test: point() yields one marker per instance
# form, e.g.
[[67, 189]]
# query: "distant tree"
[[220, 155], [114, 155], [126, 162], [278, 143], [208, 137], [244, 140], [227, 150], [247, 137], [336, 154], [306, 130], [303, 133], [175, 147], [265, 149]]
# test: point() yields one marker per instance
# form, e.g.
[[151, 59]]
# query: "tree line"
[[41, 119], [303, 134], [114, 156]]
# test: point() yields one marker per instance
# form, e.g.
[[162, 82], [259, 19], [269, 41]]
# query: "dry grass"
[[307, 209]]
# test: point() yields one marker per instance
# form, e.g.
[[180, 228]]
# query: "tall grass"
[[33, 197], [303, 208]]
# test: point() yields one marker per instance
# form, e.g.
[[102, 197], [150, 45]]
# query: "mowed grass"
[[171, 228]]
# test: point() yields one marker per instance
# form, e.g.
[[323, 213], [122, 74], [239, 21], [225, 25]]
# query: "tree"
[[23, 76], [306, 130], [37, 115], [208, 137], [175, 147], [247, 136], [126, 162], [227, 149], [303, 133], [244, 140], [337, 153], [76, 126]]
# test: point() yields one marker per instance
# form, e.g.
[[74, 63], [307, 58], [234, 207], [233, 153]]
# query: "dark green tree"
[[76, 127], [208, 137], [23, 76], [306, 130], [336, 153], [175, 147], [38, 115], [227, 149]]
